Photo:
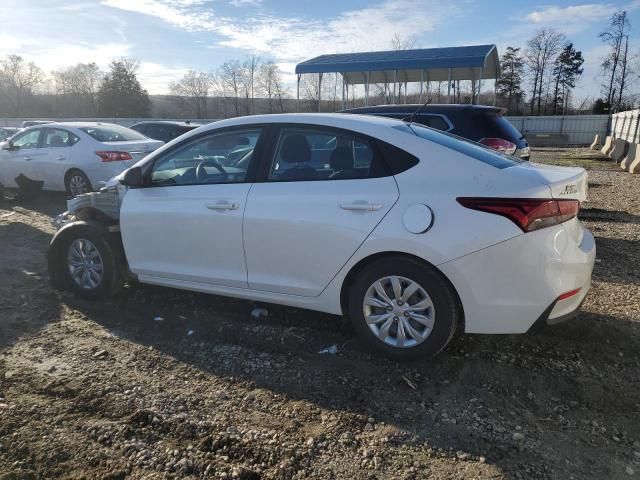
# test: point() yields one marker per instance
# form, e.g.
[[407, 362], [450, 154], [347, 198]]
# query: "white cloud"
[[245, 3], [156, 77], [187, 14], [574, 15]]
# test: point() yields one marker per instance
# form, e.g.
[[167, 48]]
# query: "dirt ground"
[[108, 390]]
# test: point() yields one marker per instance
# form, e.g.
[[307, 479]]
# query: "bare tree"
[[614, 36], [270, 83], [398, 42], [18, 79], [541, 51], [194, 89], [76, 88], [251, 66], [230, 76]]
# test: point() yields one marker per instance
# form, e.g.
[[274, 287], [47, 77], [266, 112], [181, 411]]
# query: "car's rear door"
[[307, 216], [185, 226], [57, 158]]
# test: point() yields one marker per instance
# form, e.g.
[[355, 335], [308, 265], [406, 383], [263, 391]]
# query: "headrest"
[[341, 159], [56, 141], [295, 149]]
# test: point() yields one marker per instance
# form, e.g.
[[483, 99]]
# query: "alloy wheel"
[[398, 311], [85, 264]]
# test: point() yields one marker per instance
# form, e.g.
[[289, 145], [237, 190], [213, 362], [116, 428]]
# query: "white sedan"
[[410, 232], [75, 157]]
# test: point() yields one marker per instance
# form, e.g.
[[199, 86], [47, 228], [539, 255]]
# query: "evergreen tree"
[[566, 68], [511, 73], [121, 94]]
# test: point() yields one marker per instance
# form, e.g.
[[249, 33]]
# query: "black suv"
[[480, 123], [163, 130]]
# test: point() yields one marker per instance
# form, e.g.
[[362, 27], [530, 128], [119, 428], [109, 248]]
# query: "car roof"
[[168, 122], [76, 124], [310, 118], [434, 108]]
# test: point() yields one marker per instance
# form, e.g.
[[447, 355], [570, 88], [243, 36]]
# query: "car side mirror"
[[133, 177], [8, 146]]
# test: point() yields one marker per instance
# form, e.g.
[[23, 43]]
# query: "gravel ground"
[[167, 384]]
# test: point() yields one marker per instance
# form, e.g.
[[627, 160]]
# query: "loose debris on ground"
[[167, 384]]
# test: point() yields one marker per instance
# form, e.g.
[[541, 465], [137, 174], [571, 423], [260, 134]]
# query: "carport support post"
[[344, 105], [479, 86], [421, 84], [366, 92], [395, 74], [298, 96], [319, 90], [449, 86]]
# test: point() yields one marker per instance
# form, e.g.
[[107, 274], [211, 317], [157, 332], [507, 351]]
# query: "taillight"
[[528, 213], [113, 156], [499, 144]]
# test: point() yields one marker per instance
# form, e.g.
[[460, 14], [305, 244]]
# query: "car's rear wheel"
[[77, 183], [403, 308], [84, 259]]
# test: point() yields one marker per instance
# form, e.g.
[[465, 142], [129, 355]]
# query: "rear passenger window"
[[306, 154]]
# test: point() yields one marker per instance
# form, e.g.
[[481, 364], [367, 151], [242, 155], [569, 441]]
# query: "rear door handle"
[[361, 206], [223, 206], [27, 159], [60, 158]]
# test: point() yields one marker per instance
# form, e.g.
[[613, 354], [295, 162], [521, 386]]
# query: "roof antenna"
[[411, 117]]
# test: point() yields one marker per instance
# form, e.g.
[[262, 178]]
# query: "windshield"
[[112, 133], [462, 145]]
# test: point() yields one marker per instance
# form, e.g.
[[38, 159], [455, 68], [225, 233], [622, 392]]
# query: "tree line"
[[540, 79]]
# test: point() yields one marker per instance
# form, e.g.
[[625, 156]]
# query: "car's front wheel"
[[85, 259], [403, 308]]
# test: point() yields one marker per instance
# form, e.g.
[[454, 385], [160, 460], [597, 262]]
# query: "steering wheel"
[[201, 173]]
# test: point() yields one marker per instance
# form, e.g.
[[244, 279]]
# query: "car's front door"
[[18, 158], [185, 226], [325, 192]]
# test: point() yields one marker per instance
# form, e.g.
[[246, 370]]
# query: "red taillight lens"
[[499, 144], [570, 294], [528, 213], [113, 156]]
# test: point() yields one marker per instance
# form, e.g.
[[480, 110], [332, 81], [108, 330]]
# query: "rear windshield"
[[112, 133], [495, 125], [462, 145]]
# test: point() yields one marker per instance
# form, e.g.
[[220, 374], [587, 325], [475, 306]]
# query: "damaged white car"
[[412, 233]]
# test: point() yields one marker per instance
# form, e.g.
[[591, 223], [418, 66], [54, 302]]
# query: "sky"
[[169, 37]]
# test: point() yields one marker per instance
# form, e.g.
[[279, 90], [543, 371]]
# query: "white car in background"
[[410, 232], [76, 157]]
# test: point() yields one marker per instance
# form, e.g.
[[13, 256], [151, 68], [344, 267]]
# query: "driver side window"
[[27, 139], [214, 158]]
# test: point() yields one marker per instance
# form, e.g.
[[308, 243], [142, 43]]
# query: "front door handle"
[[361, 206], [27, 159], [60, 158], [223, 206]]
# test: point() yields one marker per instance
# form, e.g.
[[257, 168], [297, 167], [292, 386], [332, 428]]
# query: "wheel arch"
[[368, 260]]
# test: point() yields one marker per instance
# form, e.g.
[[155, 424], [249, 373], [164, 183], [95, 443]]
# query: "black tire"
[[69, 178], [111, 255], [445, 304]]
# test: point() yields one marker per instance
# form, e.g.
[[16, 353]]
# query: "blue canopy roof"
[[409, 65]]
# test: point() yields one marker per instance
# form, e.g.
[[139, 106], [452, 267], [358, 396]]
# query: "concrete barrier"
[[634, 162], [619, 149], [608, 146], [596, 143], [629, 157]]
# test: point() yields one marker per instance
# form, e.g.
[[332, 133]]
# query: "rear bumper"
[[508, 287]]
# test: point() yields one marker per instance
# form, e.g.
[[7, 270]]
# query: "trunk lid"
[[138, 149], [564, 182]]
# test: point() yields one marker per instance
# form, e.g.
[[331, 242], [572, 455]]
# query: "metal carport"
[[474, 62]]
